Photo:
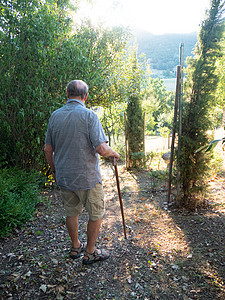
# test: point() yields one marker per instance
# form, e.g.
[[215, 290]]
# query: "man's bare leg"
[[72, 227], [92, 234], [93, 228]]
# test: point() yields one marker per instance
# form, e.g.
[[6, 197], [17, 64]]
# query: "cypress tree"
[[199, 101], [135, 122]]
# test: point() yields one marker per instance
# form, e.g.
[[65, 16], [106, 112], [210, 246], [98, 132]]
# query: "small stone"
[[175, 267], [129, 280], [55, 261]]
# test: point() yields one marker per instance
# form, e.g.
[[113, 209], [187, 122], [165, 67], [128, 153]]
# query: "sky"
[[155, 16]]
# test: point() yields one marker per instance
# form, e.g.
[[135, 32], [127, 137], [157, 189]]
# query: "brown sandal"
[[94, 257], [78, 250]]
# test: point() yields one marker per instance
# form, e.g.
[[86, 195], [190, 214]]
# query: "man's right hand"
[[106, 151]]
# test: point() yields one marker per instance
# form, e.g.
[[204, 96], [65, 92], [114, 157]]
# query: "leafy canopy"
[[39, 55]]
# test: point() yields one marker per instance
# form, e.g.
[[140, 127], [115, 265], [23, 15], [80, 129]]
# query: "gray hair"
[[77, 88]]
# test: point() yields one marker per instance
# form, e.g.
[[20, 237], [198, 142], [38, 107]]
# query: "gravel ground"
[[168, 254]]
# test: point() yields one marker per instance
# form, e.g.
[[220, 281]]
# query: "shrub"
[[18, 196]]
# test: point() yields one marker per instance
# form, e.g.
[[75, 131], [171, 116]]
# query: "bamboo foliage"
[[39, 55]]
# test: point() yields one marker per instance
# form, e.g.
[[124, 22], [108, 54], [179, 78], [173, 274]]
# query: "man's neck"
[[77, 98]]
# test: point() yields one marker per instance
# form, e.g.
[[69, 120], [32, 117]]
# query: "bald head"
[[77, 88]]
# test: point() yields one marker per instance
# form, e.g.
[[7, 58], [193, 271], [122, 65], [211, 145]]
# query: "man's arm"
[[106, 151], [49, 154]]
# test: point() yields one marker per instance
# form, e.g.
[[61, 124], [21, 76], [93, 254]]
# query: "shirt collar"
[[75, 100]]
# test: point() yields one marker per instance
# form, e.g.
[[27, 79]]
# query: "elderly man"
[[73, 141]]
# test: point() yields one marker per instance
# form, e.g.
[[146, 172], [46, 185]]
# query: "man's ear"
[[67, 94], [85, 98]]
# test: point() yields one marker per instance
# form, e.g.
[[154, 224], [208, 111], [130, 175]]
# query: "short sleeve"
[[48, 136], [96, 132]]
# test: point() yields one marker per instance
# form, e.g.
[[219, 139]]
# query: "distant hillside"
[[163, 50]]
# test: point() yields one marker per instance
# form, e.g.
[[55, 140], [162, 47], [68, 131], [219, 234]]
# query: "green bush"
[[120, 148], [40, 53], [19, 194]]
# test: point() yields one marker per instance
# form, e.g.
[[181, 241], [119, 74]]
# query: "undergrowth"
[[19, 194]]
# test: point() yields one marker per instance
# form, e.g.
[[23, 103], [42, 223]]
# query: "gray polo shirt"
[[74, 132]]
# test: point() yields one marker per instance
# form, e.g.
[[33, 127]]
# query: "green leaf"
[[209, 146]]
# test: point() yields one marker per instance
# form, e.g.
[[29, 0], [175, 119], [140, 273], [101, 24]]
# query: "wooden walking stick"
[[120, 198]]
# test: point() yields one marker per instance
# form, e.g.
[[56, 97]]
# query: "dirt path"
[[168, 255]]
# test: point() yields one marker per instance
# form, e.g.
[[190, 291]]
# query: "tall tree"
[[112, 119], [135, 123], [158, 106], [39, 54], [100, 53], [200, 99]]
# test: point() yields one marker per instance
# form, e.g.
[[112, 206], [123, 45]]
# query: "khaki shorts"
[[92, 200]]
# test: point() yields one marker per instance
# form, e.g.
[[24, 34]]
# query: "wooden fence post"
[[126, 143], [144, 134], [180, 107]]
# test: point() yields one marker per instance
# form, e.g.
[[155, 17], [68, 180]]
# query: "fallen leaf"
[[43, 277], [60, 289], [43, 288], [27, 274]]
